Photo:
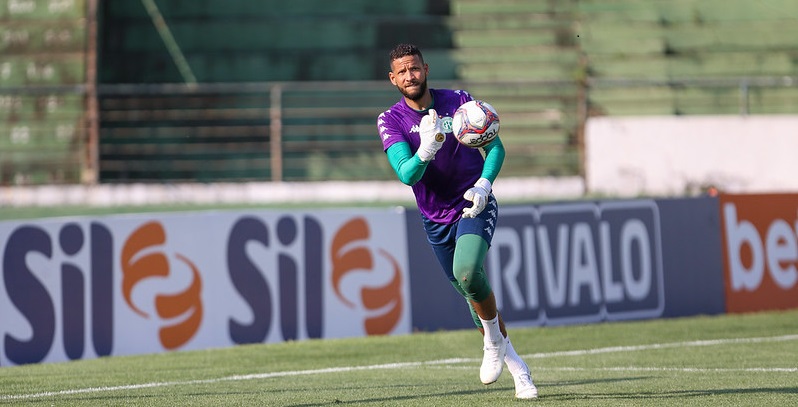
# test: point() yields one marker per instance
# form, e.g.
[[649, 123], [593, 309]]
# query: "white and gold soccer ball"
[[475, 123]]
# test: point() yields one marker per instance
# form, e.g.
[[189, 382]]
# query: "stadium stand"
[[300, 55], [268, 40], [290, 90], [326, 132], [531, 59], [533, 42], [42, 70], [671, 44]]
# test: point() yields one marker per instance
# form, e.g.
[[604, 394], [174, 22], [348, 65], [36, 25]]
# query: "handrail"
[[743, 83], [283, 109], [265, 87]]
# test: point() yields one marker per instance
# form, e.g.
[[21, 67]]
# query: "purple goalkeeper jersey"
[[455, 168]]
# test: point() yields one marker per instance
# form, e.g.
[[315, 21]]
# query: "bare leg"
[[486, 309]]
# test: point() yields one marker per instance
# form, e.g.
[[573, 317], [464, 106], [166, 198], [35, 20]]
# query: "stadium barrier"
[[93, 286]]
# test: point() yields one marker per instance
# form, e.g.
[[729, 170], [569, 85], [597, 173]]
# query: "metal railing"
[[303, 131], [311, 131], [743, 87]]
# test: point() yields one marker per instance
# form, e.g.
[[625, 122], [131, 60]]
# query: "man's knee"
[[474, 283]]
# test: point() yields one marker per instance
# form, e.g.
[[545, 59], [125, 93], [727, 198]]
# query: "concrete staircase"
[[515, 42]]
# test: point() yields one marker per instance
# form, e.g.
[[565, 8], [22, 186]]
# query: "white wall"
[[507, 189], [672, 156]]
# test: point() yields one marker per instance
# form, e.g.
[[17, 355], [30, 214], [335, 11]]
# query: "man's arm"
[[494, 158], [408, 167], [478, 194]]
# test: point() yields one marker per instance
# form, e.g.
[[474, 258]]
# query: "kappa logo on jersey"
[[381, 127], [462, 92], [446, 124], [351, 254], [144, 257]]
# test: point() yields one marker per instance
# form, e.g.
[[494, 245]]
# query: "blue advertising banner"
[[693, 256], [583, 262], [435, 303]]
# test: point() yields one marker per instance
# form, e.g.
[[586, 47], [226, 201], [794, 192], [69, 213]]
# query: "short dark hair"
[[403, 50]]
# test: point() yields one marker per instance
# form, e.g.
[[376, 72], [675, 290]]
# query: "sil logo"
[[350, 255], [144, 256]]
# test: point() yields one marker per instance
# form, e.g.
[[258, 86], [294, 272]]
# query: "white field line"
[[655, 346], [651, 369], [675, 369], [444, 362]]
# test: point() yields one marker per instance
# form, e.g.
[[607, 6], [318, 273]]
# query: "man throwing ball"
[[452, 184]]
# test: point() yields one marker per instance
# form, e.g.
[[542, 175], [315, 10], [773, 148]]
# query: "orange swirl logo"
[[350, 254], [143, 258]]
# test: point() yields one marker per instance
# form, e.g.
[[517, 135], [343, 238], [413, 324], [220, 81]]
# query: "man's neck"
[[422, 104]]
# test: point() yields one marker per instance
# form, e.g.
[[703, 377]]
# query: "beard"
[[415, 95]]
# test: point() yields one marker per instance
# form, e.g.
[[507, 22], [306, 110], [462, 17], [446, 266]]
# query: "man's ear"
[[392, 78]]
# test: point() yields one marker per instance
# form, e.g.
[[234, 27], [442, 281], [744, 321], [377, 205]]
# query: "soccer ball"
[[475, 123]]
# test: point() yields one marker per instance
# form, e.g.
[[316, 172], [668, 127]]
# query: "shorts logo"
[[350, 254], [143, 258]]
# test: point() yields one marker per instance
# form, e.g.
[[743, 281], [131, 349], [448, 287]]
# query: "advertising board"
[[583, 262], [760, 251], [76, 288]]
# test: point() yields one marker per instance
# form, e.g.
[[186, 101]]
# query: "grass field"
[[18, 213], [30, 213], [731, 360]]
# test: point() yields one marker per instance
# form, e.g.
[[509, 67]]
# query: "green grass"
[[20, 213], [27, 213], [745, 360]]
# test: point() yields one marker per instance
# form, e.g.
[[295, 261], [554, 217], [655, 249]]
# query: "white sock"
[[493, 332], [514, 362]]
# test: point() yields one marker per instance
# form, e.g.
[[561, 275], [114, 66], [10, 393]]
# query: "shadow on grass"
[[549, 391], [594, 381], [503, 391], [675, 394], [153, 399]]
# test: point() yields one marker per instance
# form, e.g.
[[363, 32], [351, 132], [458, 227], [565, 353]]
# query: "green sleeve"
[[494, 158], [408, 167]]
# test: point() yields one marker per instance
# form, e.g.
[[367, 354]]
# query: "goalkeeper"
[[458, 210]]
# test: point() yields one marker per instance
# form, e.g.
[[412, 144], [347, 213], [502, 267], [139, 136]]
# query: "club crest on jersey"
[[446, 123]]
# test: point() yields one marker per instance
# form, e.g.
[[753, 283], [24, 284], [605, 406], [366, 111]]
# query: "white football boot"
[[492, 361], [524, 388]]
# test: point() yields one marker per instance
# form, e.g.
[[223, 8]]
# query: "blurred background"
[[160, 92]]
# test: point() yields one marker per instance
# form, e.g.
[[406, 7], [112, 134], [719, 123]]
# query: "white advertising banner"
[[83, 287]]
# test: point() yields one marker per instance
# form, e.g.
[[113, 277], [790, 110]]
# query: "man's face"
[[409, 75]]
